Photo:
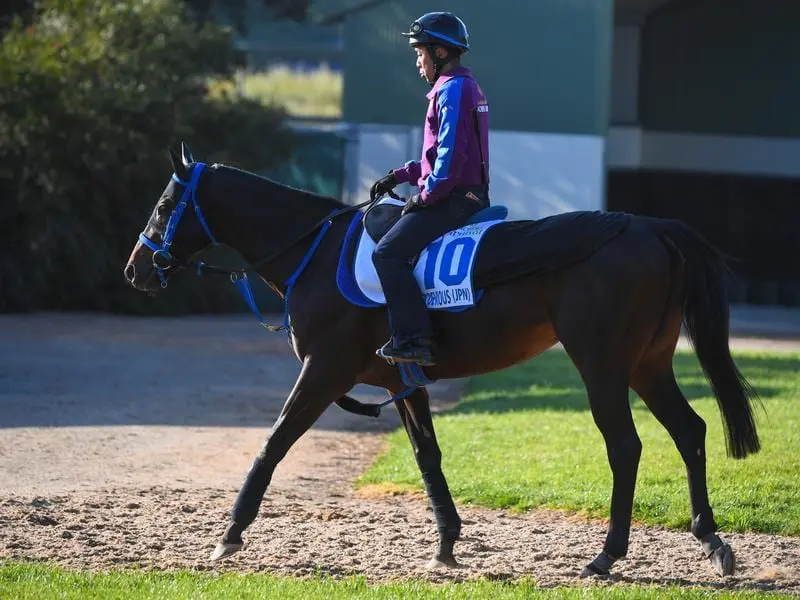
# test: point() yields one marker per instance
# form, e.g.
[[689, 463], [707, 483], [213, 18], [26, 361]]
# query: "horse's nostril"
[[130, 272]]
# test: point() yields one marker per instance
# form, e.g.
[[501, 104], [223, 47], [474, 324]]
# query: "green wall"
[[723, 67], [316, 163], [544, 64]]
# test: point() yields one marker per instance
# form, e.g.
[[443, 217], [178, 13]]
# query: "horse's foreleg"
[[318, 385], [415, 413]]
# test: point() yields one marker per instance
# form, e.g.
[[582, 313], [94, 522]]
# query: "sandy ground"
[[123, 442]]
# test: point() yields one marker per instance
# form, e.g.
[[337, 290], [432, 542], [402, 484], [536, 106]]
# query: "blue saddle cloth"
[[356, 276], [510, 249]]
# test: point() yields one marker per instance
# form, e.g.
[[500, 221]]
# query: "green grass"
[[524, 438], [36, 582], [315, 93]]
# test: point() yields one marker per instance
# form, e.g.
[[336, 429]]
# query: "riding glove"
[[413, 203], [383, 186]]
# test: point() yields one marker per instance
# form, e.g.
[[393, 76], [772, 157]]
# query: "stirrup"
[[394, 355]]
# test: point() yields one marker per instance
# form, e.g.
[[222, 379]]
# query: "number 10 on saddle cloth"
[[443, 271]]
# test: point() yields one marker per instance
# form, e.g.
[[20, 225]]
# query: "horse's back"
[[538, 247]]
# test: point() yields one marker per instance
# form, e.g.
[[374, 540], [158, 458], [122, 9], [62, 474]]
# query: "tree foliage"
[[235, 10], [92, 93]]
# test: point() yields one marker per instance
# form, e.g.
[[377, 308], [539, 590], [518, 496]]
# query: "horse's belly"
[[524, 346], [510, 325]]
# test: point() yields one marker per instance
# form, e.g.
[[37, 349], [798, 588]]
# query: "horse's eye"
[[161, 210]]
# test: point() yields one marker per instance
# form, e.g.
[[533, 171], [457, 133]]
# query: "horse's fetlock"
[[704, 527], [233, 534], [615, 549]]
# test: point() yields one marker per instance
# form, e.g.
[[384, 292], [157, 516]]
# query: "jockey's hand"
[[413, 203], [383, 186]]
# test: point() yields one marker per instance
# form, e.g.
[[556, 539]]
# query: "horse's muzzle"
[[142, 282], [130, 273]]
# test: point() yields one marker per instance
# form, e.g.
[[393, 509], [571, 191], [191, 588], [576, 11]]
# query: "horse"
[[618, 313]]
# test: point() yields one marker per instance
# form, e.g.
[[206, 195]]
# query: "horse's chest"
[[295, 345]]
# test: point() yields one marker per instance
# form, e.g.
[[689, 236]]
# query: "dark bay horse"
[[618, 314]]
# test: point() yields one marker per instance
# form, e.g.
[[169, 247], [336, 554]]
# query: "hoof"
[[442, 563], [591, 571], [224, 551], [723, 560], [599, 567]]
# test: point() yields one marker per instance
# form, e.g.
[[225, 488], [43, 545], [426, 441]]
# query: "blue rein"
[[238, 278]]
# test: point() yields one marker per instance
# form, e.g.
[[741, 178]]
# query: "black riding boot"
[[420, 350], [412, 334]]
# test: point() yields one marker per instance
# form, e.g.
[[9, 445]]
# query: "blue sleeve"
[[451, 147]]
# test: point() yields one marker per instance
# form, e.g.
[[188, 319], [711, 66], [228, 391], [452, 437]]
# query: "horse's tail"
[[706, 317]]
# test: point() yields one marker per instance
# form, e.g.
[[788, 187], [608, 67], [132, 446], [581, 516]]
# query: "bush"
[[91, 95]]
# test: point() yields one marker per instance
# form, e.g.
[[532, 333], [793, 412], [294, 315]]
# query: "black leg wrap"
[[448, 523], [449, 535], [600, 566], [444, 553], [245, 508]]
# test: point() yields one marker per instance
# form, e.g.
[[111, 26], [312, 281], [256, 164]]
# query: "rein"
[[161, 252]]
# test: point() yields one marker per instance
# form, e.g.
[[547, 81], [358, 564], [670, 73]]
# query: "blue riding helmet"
[[442, 28]]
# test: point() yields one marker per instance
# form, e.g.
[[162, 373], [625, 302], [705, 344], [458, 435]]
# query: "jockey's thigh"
[[415, 230]]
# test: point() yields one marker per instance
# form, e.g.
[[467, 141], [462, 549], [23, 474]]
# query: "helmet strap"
[[440, 63]]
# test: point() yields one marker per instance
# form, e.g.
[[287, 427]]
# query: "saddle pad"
[[443, 271], [510, 249]]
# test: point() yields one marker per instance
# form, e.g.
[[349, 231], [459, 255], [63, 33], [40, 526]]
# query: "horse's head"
[[173, 234]]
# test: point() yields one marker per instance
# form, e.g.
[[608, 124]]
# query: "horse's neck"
[[259, 227]]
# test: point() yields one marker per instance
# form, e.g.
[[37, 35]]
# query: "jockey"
[[452, 177]]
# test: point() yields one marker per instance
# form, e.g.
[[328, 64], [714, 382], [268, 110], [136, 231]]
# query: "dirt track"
[[123, 442]]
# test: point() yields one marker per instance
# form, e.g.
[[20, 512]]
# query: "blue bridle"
[[163, 250], [238, 276]]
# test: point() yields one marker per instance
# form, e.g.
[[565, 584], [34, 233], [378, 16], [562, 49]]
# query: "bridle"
[[164, 261]]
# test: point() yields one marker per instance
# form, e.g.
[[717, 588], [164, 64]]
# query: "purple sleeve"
[[409, 173]]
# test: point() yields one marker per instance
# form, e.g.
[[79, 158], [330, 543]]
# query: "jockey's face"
[[425, 64]]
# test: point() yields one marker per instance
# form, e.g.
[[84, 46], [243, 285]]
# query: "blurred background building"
[[670, 108]]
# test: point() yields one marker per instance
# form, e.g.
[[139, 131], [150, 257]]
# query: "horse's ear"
[[186, 154], [177, 165]]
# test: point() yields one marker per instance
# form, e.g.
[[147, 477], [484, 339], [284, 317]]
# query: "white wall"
[[534, 175]]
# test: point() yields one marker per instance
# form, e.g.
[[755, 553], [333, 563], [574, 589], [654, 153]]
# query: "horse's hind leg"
[[415, 413], [608, 398], [654, 381], [320, 383]]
